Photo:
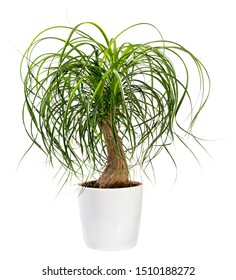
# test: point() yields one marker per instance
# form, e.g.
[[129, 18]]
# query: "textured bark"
[[116, 173]]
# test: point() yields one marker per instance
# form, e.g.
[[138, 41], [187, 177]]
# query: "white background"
[[192, 224]]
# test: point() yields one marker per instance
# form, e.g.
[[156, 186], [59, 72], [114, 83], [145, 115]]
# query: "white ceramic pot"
[[110, 217]]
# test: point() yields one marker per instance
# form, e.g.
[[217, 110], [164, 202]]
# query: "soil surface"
[[92, 184]]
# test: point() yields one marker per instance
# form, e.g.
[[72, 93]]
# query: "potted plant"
[[99, 107]]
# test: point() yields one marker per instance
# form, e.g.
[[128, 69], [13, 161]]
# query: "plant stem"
[[116, 173]]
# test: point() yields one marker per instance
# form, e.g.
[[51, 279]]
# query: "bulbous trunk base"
[[113, 178]]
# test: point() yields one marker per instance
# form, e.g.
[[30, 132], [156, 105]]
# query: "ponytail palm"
[[99, 107]]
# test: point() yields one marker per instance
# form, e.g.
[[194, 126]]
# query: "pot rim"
[[133, 184]]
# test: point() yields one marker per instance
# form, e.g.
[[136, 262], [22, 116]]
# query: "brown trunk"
[[116, 173]]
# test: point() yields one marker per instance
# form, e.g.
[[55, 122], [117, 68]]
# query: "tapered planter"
[[110, 217]]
